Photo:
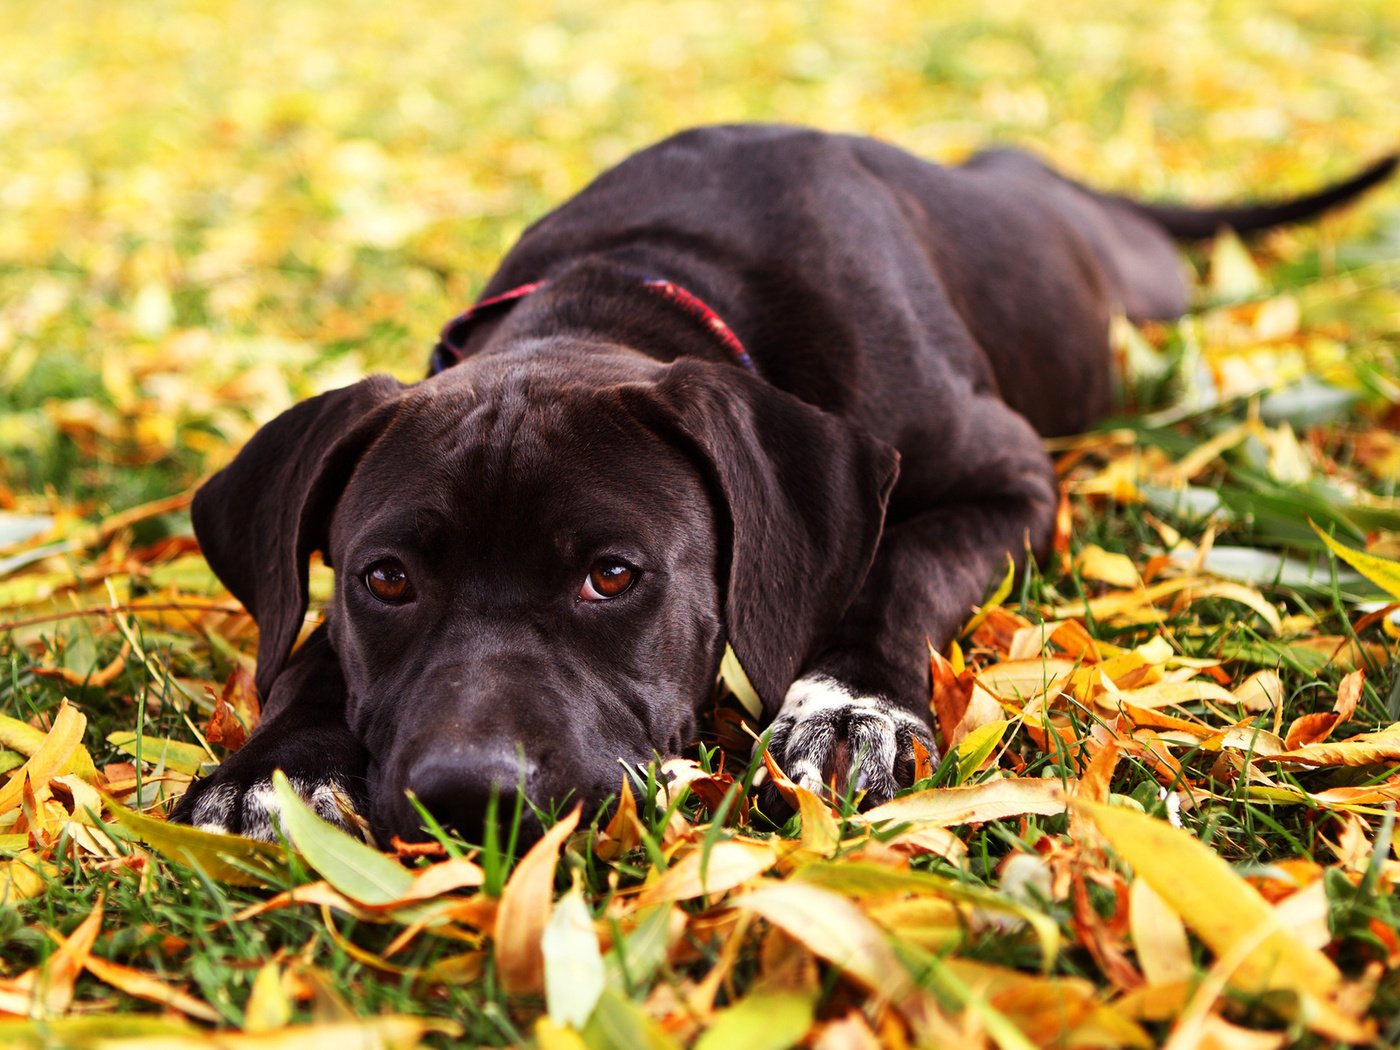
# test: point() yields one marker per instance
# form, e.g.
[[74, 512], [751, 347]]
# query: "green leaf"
[[619, 1024], [158, 751], [224, 858], [856, 879], [1383, 572], [574, 975], [998, 596], [765, 1020], [360, 872], [977, 745], [635, 957], [736, 680]]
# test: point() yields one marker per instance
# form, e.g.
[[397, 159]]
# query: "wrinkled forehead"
[[527, 454]]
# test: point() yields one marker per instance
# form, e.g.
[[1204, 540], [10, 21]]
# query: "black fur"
[[904, 319]]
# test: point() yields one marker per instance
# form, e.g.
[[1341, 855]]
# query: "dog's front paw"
[[827, 735], [238, 799]]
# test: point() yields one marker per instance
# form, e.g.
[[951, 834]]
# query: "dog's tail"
[[1194, 224]]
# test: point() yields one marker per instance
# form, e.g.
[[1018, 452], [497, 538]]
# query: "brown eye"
[[607, 579], [388, 582]]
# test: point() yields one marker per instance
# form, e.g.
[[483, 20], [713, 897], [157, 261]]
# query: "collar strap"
[[454, 335]]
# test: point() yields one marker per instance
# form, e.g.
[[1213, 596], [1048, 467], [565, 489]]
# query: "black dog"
[[541, 551]]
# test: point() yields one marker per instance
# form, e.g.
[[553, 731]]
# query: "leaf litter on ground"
[[1165, 812]]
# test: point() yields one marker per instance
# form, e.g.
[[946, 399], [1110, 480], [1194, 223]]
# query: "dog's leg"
[[852, 717], [303, 733]]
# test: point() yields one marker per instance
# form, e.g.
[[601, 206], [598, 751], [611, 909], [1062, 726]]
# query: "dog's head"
[[537, 566]]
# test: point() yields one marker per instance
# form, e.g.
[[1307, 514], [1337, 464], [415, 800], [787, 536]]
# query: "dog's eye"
[[388, 582], [607, 579]]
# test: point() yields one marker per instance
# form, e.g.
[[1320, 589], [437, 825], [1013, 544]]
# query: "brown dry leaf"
[[623, 832], [1349, 695], [1317, 726], [525, 909], [848, 1032], [1094, 784], [236, 711], [1105, 938], [1311, 728]]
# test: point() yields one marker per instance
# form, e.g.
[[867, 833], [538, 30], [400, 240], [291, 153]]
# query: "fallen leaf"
[[359, 871], [1220, 907], [574, 975], [709, 872], [994, 800], [525, 910]]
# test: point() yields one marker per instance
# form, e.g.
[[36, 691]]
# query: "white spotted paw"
[[828, 737], [250, 811]]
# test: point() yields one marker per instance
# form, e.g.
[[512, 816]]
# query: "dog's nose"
[[456, 787]]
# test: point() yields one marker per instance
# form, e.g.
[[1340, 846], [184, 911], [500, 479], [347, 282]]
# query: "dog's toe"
[[328, 799], [253, 810], [829, 736]]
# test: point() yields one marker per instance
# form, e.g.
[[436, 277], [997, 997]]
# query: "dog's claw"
[[826, 735]]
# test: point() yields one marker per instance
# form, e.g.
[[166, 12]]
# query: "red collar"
[[454, 334]]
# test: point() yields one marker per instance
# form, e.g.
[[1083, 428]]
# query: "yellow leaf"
[[27, 740], [1261, 691], [994, 800], [820, 832], [717, 870], [1095, 563], [835, 929], [525, 909], [1159, 937], [1221, 908], [50, 758], [1383, 572], [1233, 274], [1362, 750], [1164, 694], [269, 1007], [736, 680]]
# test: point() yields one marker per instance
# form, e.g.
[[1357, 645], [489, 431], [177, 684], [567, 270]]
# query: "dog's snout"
[[456, 786]]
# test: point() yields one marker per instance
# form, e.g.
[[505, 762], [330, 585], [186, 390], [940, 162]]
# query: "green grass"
[[208, 212]]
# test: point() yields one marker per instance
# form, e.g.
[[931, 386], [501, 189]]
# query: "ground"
[[1166, 814]]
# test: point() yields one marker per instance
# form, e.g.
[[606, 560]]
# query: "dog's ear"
[[804, 492], [259, 519]]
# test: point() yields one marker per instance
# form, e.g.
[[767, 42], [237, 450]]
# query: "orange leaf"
[[525, 909]]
